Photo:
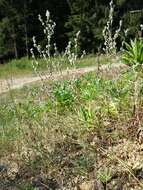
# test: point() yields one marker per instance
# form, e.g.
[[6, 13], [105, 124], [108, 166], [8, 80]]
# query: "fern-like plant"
[[133, 53]]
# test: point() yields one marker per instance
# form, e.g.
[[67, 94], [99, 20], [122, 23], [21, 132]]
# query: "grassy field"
[[73, 134], [23, 66]]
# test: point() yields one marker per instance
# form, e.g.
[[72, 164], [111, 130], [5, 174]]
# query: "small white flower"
[[141, 26], [126, 31], [39, 17], [39, 48], [120, 23], [44, 31], [77, 34], [47, 14], [34, 41]]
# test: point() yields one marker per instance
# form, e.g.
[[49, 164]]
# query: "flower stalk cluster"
[[71, 51], [53, 60], [110, 37]]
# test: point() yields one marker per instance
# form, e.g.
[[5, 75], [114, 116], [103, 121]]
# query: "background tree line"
[[19, 22]]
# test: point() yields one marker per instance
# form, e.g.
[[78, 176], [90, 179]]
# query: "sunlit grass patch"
[[23, 66]]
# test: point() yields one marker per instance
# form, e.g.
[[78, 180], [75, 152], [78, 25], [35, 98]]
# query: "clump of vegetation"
[[64, 95], [66, 133], [71, 131], [54, 61], [133, 54], [110, 37]]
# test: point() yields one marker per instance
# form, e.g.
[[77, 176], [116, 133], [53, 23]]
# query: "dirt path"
[[15, 83]]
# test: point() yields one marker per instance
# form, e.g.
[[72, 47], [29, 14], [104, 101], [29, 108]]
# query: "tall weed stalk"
[[110, 37], [54, 60]]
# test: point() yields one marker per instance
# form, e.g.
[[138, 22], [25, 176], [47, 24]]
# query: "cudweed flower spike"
[[47, 15], [34, 39], [32, 53], [70, 53], [117, 31], [126, 32], [39, 48], [77, 34], [44, 31], [41, 20], [111, 3], [109, 37]]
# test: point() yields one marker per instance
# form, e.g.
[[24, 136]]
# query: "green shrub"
[[133, 53], [64, 95]]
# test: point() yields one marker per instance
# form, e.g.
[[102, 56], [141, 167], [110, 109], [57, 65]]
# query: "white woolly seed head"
[[47, 14]]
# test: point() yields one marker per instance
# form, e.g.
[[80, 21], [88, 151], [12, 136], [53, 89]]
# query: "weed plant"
[[82, 129], [63, 131], [49, 53], [110, 37]]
